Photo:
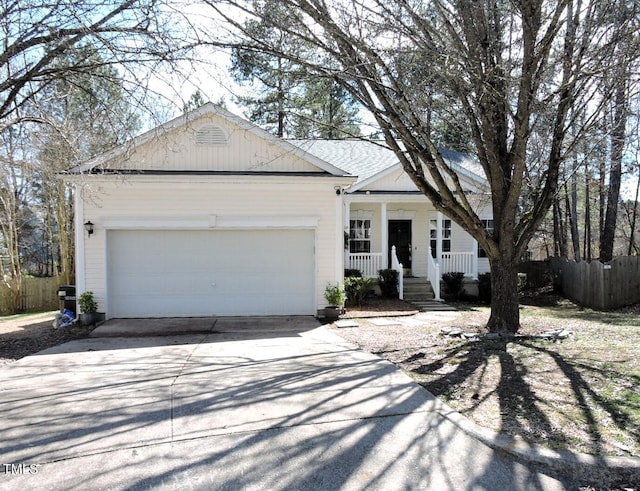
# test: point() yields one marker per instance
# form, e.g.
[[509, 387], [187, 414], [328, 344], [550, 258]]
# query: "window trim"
[[447, 235], [360, 234]]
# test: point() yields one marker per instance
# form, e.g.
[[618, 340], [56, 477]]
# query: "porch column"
[[347, 228], [384, 235], [339, 243], [474, 260], [439, 238]]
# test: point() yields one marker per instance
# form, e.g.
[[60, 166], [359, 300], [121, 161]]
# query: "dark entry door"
[[400, 236]]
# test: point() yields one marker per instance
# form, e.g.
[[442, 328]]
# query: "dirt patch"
[[26, 334]]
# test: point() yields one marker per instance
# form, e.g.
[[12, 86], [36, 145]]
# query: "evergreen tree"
[[284, 98], [326, 111]]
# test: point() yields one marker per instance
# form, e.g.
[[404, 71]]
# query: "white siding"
[[399, 180], [177, 150], [210, 202], [461, 241], [395, 181]]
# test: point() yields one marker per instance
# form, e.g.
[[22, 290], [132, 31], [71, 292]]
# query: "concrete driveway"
[[249, 404]]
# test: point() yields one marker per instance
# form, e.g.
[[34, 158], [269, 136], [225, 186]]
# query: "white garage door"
[[153, 273]]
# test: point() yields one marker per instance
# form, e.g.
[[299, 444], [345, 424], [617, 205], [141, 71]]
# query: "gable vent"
[[211, 135]]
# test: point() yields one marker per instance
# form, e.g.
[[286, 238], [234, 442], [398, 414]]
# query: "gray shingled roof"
[[367, 158]]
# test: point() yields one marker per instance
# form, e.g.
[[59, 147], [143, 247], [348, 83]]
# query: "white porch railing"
[[370, 263], [367, 263], [395, 264], [433, 273], [459, 261]]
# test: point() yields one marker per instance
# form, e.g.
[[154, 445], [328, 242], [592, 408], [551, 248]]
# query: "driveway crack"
[[179, 374]]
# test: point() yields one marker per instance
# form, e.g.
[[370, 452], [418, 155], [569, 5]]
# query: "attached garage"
[[208, 215], [164, 273]]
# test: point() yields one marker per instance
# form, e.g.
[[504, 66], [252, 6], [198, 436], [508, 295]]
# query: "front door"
[[400, 236]]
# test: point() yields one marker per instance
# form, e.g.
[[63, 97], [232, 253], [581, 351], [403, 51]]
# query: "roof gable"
[[395, 180], [209, 139]]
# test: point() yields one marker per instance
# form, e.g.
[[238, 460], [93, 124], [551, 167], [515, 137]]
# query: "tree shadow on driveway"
[[303, 412]]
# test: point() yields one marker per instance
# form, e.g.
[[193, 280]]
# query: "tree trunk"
[[505, 307], [615, 172], [602, 202], [64, 206], [632, 242], [587, 216], [560, 240], [573, 211]]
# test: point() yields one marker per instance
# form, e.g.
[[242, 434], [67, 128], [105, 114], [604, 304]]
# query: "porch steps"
[[419, 292], [434, 306]]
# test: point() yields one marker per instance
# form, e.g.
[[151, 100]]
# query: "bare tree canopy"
[[128, 34], [518, 71]]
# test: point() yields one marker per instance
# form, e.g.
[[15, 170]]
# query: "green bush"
[[87, 303], [388, 281], [484, 288], [348, 273], [453, 283], [334, 295], [358, 288]]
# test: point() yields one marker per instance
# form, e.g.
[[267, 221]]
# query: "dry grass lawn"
[[581, 394]]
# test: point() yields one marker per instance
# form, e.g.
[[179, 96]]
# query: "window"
[[488, 225], [446, 236], [360, 236]]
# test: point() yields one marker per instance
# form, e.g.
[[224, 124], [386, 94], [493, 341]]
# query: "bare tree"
[[133, 35], [504, 63], [14, 190], [84, 45]]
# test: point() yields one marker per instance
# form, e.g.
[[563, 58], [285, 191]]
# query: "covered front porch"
[[405, 229]]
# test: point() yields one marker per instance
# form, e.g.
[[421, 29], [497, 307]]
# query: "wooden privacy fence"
[[599, 286], [35, 294]]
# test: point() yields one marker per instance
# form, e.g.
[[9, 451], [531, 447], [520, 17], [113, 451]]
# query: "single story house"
[[210, 215]]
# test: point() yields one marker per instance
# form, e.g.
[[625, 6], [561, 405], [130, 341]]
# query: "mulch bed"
[[379, 307]]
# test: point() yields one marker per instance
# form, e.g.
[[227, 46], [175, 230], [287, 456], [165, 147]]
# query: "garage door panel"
[[194, 273]]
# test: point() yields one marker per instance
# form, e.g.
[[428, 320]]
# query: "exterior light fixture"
[[88, 226], [338, 190]]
